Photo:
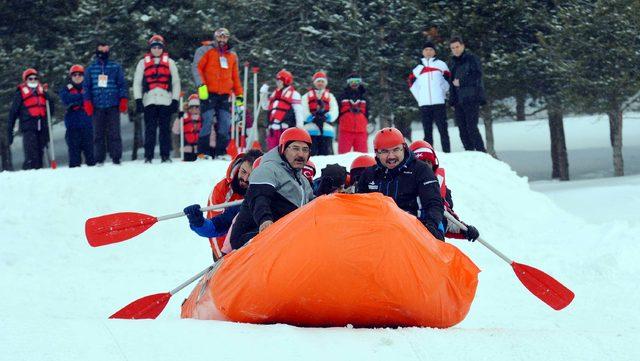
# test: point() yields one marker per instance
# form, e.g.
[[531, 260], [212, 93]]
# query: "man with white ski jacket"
[[429, 84], [410, 183], [156, 88], [320, 111], [276, 188]]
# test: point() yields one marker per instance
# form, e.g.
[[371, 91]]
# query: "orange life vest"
[[157, 75], [313, 101], [191, 128], [34, 100], [280, 104]]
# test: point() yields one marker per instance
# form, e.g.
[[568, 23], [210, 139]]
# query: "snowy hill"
[[58, 291]]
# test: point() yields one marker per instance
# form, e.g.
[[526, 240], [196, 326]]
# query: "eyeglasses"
[[32, 78], [396, 150], [298, 149], [74, 75]]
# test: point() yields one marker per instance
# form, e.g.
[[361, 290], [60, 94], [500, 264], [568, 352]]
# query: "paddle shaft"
[[453, 220], [203, 209], [190, 280]]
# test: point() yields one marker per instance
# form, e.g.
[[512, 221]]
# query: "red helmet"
[[256, 163], [293, 135], [424, 151], [76, 68], [309, 170], [156, 39], [387, 138], [363, 161], [320, 75], [285, 76], [26, 73]]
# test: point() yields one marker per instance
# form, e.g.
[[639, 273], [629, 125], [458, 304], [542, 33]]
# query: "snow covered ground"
[[58, 291]]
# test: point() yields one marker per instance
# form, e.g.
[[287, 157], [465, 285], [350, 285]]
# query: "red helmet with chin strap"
[[285, 76], [293, 135], [387, 138], [425, 152]]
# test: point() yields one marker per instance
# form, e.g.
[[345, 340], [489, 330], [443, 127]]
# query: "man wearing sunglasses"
[[410, 183], [79, 134], [353, 118], [29, 105], [156, 88], [220, 77]]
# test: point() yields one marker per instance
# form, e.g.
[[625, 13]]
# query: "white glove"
[[264, 89]]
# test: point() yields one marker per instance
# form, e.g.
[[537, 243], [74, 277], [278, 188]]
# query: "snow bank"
[[58, 291]]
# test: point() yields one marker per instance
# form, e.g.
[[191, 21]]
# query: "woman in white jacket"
[[429, 85]]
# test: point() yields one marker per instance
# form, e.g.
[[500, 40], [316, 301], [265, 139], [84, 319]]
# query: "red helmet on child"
[[285, 76], [156, 40], [425, 152], [76, 68], [26, 73], [293, 135], [387, 138], [309, 170]]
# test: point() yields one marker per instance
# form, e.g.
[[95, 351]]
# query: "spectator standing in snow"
[[429, 84], [319, 111], [423, 151], [353, 118], [467, 94], [410, 183], [106, 95], [29, 106], [276, 188], [79, 135], [283, 107], [218, 70], [191, 126], [204, 141], [156, 89]]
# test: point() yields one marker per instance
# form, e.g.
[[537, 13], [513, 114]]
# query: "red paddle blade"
[[148, 307], [116, 227], [543, 286]]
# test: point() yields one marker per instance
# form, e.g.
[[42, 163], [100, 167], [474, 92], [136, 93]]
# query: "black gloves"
[[173, 108], [471, 233], [333, 177], [196, 219], [139, 106]]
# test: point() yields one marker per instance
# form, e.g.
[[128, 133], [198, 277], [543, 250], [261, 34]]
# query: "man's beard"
[[237, 188]]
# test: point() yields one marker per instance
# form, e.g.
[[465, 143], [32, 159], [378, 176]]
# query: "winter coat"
[[19, 111], [75, 117], [413, 187], [156, 96], [220, 80], [275, 190], [116, 89], [467, 69], [354, 110], [429, 83], [330, 116], [200, 51]]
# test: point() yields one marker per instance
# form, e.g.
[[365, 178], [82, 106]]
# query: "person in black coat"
[[410, 183], [467, 94]]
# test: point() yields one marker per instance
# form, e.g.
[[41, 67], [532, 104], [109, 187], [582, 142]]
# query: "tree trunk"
[[615, 133], [520, 105], [559, 158], [487, 117], [137, 136], [5, 154]]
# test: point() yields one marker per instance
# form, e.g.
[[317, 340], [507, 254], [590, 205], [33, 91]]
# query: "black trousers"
[[157, 117], [467, 119], [79, 141], [33, 143], [321, 145], [106, 129], [436, 113]]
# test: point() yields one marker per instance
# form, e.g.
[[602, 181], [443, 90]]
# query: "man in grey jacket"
[[156, 88], [276, 188]]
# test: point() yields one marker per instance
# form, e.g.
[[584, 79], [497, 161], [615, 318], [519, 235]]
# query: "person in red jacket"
[[191, 126], [232, 187], [425, 152], [353, 118]]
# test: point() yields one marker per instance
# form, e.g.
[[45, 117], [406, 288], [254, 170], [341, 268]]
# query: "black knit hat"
[[428, 44]]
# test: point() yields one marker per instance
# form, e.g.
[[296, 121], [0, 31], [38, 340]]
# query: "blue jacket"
[[218, 225], [116, 89], [75, 117]]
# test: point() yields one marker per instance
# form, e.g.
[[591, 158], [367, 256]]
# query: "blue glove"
[[193, 212]]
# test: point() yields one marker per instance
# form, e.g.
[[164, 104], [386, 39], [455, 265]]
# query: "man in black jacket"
[[467, 94], [276, 188], [410, 183]]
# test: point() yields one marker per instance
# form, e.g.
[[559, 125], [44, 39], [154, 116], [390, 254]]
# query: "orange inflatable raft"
[[342, 259]]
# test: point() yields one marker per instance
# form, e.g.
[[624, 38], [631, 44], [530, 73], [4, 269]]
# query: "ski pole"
[[52, 153]]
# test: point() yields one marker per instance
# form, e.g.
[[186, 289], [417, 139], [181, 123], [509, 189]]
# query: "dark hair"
[[456, 39], [101, 42], [252, 155]]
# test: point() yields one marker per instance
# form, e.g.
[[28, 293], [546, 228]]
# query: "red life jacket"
[[34, 100], [280, 104], [75, 90], [191, 128], [157, 75], [350, 120], [313, 100]]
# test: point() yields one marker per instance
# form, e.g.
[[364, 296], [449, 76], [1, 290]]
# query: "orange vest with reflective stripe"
[[191, 128], [157, 75], [34, 100]]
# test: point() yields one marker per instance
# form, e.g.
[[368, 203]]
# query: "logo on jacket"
[[372, 186]]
